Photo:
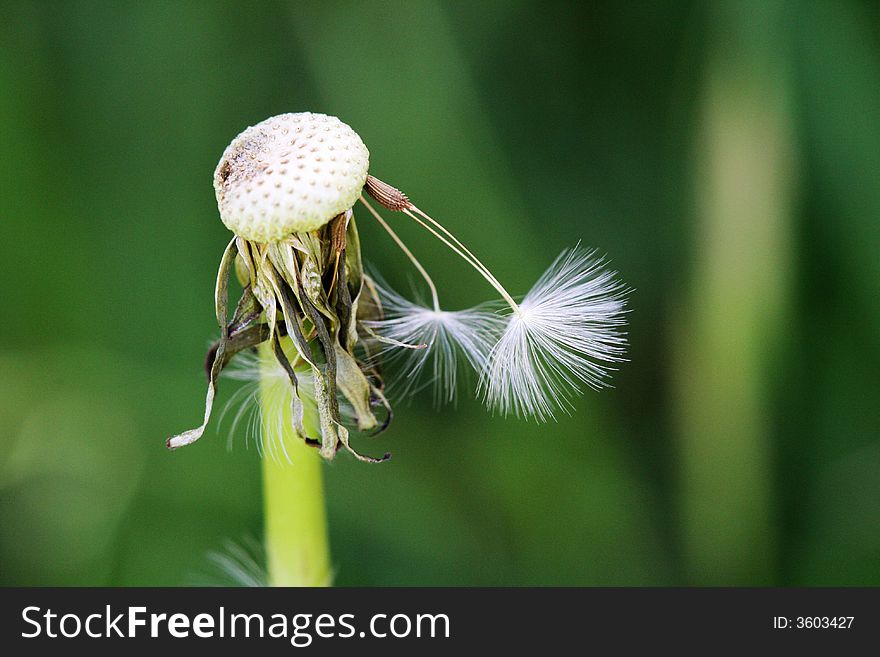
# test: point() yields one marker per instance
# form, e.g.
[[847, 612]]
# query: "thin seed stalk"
[[295, 517]]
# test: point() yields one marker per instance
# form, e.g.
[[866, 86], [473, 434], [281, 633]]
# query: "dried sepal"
[[297, 411], [356, 388], [221, 300]]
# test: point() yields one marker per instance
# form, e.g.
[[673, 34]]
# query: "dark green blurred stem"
[[737, 299]]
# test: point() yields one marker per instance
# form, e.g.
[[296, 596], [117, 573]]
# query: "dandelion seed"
[[566, 331], [440, 342], [562, 335], [416, 336]]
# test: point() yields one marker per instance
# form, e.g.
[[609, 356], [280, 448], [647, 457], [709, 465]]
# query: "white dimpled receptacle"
[[290, 173]]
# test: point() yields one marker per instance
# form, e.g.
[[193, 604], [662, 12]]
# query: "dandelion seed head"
[[289, 173], [565, 335], [286, 187]]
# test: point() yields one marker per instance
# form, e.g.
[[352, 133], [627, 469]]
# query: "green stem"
[[295, 522]]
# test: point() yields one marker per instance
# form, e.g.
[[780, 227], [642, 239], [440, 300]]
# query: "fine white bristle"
[[248, 410], [563, 336], [417, 339], [245, 406], [236, 563]]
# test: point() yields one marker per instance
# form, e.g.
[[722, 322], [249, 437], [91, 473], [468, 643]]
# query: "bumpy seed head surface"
[[290, 173]]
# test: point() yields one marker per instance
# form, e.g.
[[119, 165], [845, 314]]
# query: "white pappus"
[[566, 333]]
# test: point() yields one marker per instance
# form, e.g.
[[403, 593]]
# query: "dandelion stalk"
[[295, 518]]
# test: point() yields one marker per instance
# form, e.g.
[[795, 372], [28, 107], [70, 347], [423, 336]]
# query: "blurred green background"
[[725, 155]]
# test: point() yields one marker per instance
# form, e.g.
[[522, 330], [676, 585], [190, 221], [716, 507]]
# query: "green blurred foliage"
[[524, 127]]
